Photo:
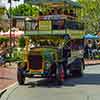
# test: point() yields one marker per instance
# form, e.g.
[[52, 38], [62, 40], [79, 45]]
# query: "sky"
[[5, 3]]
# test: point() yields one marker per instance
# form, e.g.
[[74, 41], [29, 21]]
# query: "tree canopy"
[[91, 15], [2, 11], [24, 10]]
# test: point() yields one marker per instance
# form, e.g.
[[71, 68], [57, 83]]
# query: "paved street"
[[8, 74], [84, 88]]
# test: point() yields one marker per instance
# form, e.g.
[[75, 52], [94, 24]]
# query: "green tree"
[[91, 15], [3, 39], [2, 11], [21, 42], [24, 10]]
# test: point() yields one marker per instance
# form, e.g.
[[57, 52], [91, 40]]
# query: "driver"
[[63, 53], [62, 62]]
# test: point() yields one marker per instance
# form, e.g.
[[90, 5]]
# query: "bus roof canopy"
[[70, 2]]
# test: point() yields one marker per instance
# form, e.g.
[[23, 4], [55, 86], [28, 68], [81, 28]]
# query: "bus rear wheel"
[[78, 72]]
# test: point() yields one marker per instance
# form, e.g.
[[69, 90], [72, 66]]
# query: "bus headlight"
[[81, 52], [47, 65]]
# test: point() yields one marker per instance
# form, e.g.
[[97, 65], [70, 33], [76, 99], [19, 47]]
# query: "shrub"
[[21, 42], [4, 39]]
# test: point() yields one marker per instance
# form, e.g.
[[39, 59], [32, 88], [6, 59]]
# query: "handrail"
[[49, 24]]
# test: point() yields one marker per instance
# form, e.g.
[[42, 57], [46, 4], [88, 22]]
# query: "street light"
[[9, 1]]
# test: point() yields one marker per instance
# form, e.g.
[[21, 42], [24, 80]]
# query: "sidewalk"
[[7, 76], [92, 62]]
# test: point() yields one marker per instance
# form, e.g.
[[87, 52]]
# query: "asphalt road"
[[83, 88]]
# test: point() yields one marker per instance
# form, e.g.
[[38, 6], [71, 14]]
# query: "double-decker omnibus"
[[44, 33]]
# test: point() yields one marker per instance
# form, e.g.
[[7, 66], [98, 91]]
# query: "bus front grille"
[[35, 62]]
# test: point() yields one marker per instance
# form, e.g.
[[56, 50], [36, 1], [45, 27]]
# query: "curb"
[[4, 90], [92, 64]]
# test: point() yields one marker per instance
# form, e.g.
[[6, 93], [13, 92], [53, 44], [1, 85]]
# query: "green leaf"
[[90, 15], [24, 10]]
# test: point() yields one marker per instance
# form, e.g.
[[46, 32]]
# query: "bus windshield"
[[43, 43]]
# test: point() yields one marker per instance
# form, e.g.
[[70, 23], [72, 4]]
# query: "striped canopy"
[[90, 36]]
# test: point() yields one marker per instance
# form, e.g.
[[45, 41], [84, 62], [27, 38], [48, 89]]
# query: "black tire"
[[81, 69], [79, 72], [20, 78]]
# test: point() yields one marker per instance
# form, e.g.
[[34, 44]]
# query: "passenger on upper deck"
[[41, 16], [72, 15], [48, 15], [62, 13], [66, 14], [58, 14], [55, 14]]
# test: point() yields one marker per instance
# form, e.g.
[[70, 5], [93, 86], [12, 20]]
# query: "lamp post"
[[10, 28], [10, 16], [9, 1]]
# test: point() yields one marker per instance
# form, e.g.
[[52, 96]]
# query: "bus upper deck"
[[54, 26], [54, 17]]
